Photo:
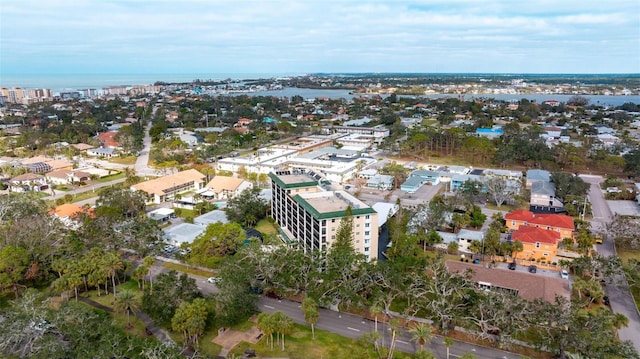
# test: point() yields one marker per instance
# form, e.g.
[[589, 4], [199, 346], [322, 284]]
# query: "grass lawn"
[[625, 255], [265, 227], [62, 188], [299, 344], [187, 269], [112, 177], [128, 160], [184, 213]]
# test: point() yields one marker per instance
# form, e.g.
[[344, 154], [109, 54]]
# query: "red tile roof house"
[[107, 139], [560, 223], [537, 243]]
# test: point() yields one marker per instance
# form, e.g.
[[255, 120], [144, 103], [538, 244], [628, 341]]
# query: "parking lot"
[[372, 195]]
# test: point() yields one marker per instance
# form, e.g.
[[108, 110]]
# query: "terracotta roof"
[[553, 220], [66, 210], [59, 174], [57, 164], [221, 183], [36, 159], [527, 234], [529, 286], [108, 139], [27, 177], [159, 185], [82, 146]]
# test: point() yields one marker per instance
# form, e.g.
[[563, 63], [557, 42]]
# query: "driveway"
[[620, 298]]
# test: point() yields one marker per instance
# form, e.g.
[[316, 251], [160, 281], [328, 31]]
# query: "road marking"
[[354, 329], [268, 306], [401, 341]]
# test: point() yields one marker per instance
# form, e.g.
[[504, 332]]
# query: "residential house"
[[226, 187], [68, 213], [525, 285], [107, 139], [418, 178], [106, 152], [381, 182], [28, 182], [165, 188], [560, 223], [537, 243], [537, 176], [543, 198], [66, 176], [466, 236]]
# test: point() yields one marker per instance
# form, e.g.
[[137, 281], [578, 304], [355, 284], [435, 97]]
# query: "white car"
[[564, 274], [213, 280]]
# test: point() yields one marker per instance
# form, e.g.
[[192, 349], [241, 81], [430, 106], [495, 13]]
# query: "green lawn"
[[299, 344], [625, 255], [112, 177], [128, 160], [265, 227]]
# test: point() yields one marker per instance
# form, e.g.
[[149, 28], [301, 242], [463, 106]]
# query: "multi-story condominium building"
[[25, 96], [310, 216]]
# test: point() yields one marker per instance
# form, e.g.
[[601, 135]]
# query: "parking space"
[[625, 208]]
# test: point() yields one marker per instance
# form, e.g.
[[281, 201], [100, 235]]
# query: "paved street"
[[353, 326], [621, 300]]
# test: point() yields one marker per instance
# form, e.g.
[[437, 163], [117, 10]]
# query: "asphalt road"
[[353, 326], [142, 162], [620, 298]]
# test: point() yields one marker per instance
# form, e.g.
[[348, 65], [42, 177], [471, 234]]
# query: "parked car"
[[564, 274], [533, 269], [512, 265], [274, 295], [598, 239], [213, 280]]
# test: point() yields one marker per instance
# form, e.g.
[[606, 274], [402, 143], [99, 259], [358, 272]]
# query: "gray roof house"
[[537, 176]]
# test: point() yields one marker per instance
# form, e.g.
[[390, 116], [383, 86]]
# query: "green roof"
[[281, 184], [336, 214]]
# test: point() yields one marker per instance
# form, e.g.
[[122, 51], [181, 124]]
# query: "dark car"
[[533, 269], [274, 295], [512, 265]]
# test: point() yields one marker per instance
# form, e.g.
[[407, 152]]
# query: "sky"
[[54, 37]]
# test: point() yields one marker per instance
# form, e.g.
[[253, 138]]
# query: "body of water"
[[59, 83], [600, 100]]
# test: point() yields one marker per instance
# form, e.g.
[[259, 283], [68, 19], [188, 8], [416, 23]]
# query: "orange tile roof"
[[108, 139], [66, 210], [526, 234], [553, 220]]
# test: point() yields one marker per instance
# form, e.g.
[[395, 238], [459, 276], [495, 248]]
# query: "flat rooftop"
[[333, 203], [296, 178]]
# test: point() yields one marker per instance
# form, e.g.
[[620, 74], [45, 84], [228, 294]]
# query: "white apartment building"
[[309, 216]]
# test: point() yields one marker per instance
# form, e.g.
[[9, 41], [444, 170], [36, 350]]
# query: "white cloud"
[[186, 35]]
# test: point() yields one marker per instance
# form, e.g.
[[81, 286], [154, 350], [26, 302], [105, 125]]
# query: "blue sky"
[[263, 36]]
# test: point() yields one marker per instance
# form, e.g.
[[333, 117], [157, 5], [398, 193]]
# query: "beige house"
[[66, 176], [226, 187], [165, 188]]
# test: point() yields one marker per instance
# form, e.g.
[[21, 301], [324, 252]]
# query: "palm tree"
[[126, 302], [448, 342], [283, 324], [376, 309], [394, 325], [265, 324], [311, 315], [148, 263], [112, 263], [421, 334]]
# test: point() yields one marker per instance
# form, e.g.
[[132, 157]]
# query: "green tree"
[[311, 313], [448, 343], [217, 241], [112, 263], [283, 325], [247, 208], [191, 319], [126, 302], [421, 334], [169, 293], [13, 266]]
